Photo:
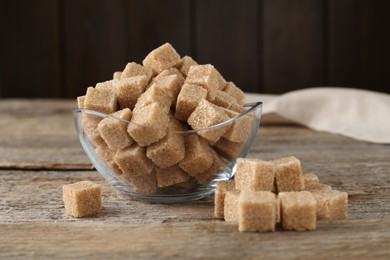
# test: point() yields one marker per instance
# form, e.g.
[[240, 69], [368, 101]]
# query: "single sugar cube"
[[128, 90], [288, 174], [114, 130], [228, 149], [256, 211], [217, 166], [107, 156], [103, 100], [331, 204], [148, 124], [223, 99], [219, 197], [82, 199], [185, 63], [231, 89], [133, 69], [230, 211], [198, 156], [155, 94], [80, 101], [145, 184], [188, 99], [298, 210], [170, 149], [310, 178], [108, 85], [169, 72], [90, 125], [172, 85], [206, 115], [238, 108], [117, 75], [206, 77], [170, 176], [240, 128], [133, 161], [162, 58], [313, 186], [254, 175]]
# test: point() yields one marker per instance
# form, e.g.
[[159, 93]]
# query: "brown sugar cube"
[[133, 69], [114, 130], [223, 99], [256, 211], [254, 175], [170, 149], [162, 58], [206, 115], [228, 149], [133, 161], [219, 197], [172, 85], [117, 75], [146, 184], [103, 100], [90, 125], [221, 80], [80, 101], [155, 94], [288, 174], [240, 128], [185, 63], [107, 156], [108, 85], [188, 99], [238, 108], [82, 199], [298, 210], [312, 187], [206, 77], [217, 166], [128, 90], [310, 178], [231, 89], [168, 72], [198, 155], [148, 124], [230, 210], [331, 204], [170, 176]]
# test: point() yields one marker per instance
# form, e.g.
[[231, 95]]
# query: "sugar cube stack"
[[257, 201], [149, 105]]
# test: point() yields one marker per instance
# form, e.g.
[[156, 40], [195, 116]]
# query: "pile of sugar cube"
[[264, 193], [150, 104]]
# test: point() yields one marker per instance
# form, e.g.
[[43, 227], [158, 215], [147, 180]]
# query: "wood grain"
[[39, 134], [29, 49], [226, 35], [293, 45], [33, 222]]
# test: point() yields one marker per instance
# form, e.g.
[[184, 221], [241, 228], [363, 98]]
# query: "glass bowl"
[[136, 171]]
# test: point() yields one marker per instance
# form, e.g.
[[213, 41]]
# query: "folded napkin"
[[359, 114]]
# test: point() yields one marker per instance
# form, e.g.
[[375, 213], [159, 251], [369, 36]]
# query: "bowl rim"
[[253, 106]]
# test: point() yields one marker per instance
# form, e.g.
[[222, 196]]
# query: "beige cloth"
[[359, 114]]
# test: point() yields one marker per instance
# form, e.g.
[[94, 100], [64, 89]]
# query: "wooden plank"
[[29, 49], [293, 34], [360, 239], [359, 40], [39, 134], [153, 23], [227, 36], [95, 43]]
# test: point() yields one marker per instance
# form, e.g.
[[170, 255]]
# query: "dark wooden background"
[[57, 48]]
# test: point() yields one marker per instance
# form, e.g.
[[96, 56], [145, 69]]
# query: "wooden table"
[[39, 152]]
